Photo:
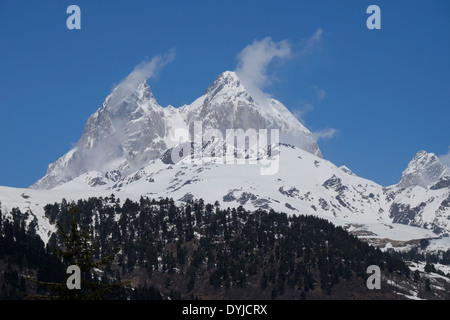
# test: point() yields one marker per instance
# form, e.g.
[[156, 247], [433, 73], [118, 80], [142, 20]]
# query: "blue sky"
[[381, 95]]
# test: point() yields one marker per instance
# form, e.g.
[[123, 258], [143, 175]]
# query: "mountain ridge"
[[126, 142], [127, 132]]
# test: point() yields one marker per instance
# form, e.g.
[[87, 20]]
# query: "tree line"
[[200, 250]]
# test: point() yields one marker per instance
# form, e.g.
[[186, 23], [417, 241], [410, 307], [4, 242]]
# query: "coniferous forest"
[[155, 249]]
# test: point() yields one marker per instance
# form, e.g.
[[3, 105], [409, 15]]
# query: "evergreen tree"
[[78, 250]]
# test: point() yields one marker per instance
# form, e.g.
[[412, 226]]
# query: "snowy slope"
[[34, 201], [304, 184], [127, 146]]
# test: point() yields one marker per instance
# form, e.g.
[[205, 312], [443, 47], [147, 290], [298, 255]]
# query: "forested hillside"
[[197, 251]]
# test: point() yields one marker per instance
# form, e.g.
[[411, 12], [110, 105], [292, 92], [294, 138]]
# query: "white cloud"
[[320, 93], [324, 134], [253, 64], [142, 72], [300, 113], [309, 44], [445, 158], [255, 58]]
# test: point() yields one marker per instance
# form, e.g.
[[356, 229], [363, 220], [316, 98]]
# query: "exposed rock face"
[[131, 128], [424, 170]]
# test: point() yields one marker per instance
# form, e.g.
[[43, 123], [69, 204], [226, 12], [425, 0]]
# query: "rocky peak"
[[423, 170]]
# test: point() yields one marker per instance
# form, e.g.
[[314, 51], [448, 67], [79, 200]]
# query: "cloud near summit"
[[142, 72], [255, 58]]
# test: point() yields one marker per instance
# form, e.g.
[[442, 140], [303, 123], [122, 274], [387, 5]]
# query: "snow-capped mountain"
[[121, 136], [304, 184], [226, 104], [422, 197], [126, 149], [131, 128], [424, 170]]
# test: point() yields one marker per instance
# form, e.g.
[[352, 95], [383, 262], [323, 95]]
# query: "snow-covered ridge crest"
[[305, 184], [131, 129]]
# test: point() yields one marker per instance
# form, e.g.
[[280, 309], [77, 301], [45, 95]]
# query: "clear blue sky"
[[386, 92]]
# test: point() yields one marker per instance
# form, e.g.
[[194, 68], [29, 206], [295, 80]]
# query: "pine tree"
[[77, 249]]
